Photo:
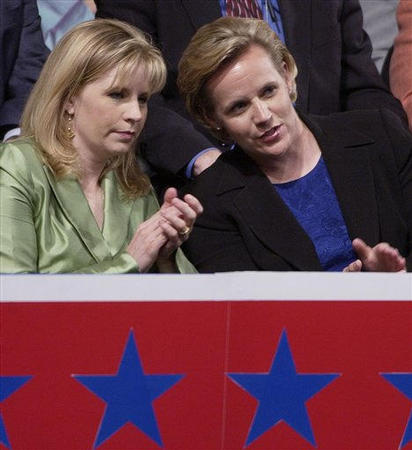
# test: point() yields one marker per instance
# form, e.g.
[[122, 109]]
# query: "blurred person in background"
[[401, 61], [379, 21], [22, 55], [58, 17]]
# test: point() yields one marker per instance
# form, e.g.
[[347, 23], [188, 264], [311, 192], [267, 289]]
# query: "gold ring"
[[186, 230]]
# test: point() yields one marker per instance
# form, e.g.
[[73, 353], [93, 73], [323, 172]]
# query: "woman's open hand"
[[380, 258]]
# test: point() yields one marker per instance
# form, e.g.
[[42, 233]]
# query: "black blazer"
[[22, 55], [247, 226], [332, 52]]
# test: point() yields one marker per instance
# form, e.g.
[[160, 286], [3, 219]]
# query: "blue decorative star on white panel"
[[9, 385], [282, 394], [402, 382], [129, 395]]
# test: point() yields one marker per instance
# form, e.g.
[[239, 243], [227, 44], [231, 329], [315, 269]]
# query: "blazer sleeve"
[[400, 75], [18, 240], [170, 140], [361, 85], [401, 140], [31, 55], [215, 244], [215, 249]]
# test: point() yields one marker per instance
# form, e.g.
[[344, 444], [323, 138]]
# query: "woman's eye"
[[237, 107], [268, 91], [116, 95], [143, 99]]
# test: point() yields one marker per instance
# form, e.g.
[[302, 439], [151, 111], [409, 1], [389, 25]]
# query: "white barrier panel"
[[222, 286]]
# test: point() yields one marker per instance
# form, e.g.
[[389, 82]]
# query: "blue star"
[[282, 394], [129, 395], [403, 382], [9, 385]]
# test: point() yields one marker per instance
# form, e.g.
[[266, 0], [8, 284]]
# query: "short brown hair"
[[84, 54], [217, 44]]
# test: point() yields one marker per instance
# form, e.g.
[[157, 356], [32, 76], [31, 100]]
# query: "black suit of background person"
[[333, 53], [22, 54]]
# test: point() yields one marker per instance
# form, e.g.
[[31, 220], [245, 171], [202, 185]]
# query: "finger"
[[402, 264], [390, 260], [175, 218], [170, 232], [152, 220], [186, 211], [170, 194], [355, 266], [362, 250], [194, 203], [173, 239], [383, 248]]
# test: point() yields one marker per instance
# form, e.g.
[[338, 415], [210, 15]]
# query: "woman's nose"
[[261, 112], [133, 111]]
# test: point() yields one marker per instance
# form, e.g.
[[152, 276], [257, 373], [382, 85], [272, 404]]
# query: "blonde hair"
[[217, 44], [84, 54]]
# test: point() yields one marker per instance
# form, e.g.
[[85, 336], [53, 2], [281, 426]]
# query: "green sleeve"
[[18, 241]]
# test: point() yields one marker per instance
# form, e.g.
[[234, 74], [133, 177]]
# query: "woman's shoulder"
[[20, 160], [372, 122], [379, 125], [230, 172], [19, 153], [207, 181]]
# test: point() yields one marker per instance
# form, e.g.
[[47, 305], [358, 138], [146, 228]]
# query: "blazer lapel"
[[202, 11], [296, 15], [73, 203], [346, 155], [268, 217]]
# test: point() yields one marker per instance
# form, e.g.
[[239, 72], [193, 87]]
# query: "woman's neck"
[[89, 180]]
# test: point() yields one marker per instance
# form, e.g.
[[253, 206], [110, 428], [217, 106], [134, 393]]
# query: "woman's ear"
[[285, 72], [212, 122], [69, 107]]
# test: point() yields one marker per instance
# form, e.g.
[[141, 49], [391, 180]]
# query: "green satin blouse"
[[46, 224]]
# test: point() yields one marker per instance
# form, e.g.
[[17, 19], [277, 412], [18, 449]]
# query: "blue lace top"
[[312, 200]]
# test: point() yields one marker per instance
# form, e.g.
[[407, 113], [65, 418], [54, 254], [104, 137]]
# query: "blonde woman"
[[72, 196], [297, 192]]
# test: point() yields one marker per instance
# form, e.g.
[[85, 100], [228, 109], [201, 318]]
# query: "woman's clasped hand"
[[158, 237]]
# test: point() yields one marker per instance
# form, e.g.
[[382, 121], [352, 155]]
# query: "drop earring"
[[69, 131]]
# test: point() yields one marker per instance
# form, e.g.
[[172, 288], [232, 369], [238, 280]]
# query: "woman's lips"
[[126, 135], [271, 135]]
